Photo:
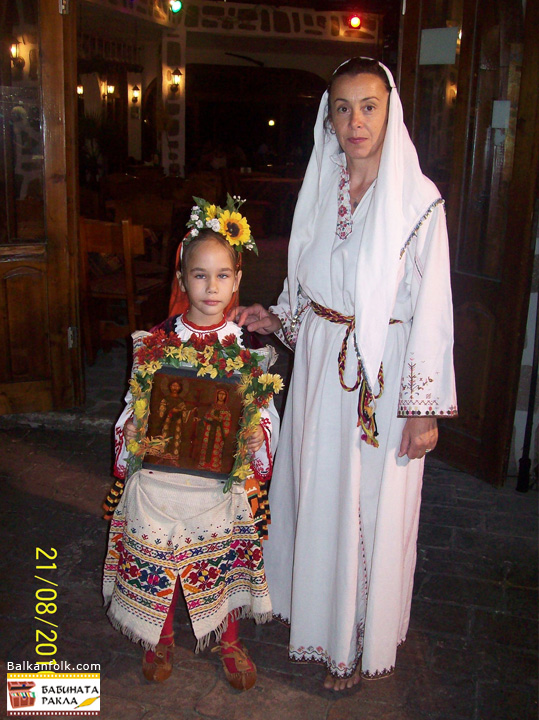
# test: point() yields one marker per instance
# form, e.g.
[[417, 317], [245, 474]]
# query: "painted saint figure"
[[216, 423], [176, 414]]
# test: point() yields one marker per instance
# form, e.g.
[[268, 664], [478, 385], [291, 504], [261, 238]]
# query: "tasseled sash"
[[365, 411]]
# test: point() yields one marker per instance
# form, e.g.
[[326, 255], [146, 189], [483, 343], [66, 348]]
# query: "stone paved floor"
[[471, 652]]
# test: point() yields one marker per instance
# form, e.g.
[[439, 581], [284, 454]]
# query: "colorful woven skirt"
[[169, 525]]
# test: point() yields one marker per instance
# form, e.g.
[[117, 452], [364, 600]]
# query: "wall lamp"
[[18, 62], [135, 94], [176, 77], [108, 91]]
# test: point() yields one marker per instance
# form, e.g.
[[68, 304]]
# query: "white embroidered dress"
[[341, 552]]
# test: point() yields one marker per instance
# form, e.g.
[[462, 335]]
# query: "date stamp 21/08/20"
[[46, 607], [46, 691]]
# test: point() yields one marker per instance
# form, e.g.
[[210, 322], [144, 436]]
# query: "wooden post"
[[59, 81]]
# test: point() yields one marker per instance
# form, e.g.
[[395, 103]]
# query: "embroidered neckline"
[[199, 328], [345, 212]]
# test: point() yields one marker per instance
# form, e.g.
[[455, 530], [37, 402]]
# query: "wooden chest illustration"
[[20, 694]]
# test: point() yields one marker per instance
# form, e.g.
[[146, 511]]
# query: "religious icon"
[[198, 417]]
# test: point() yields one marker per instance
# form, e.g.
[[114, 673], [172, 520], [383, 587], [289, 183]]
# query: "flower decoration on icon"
[[210, 357]]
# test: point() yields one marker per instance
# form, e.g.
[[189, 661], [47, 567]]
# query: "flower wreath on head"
[[228, 222]]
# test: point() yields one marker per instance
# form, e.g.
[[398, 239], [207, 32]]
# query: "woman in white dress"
[[367, 308]]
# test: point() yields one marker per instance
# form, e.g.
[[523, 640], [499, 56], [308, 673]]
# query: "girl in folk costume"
[[172, 529], [367, 308]]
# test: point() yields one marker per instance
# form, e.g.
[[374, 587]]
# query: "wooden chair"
[[115, 299], [155, 213]]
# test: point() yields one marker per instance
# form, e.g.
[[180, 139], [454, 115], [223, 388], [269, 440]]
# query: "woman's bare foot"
[[337, 684]]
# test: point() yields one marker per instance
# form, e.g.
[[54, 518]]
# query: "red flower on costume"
[[199, 342], [228, 340]]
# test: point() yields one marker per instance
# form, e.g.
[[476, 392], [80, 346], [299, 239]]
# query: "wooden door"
[[473, 118], [40, 365]]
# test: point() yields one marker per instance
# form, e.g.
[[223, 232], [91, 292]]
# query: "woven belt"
[[366, 418]]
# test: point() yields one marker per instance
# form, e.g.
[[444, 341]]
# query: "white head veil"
[[401, 197]]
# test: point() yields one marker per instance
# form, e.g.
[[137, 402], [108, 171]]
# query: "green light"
[[175, 6]]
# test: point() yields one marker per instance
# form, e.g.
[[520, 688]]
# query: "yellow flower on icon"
[[274, 380], [277, 383], [211, 212], [150, 368], [207, 370], [233, 364], [140, 407], [178, 353], [235, 228], [190, 355], [264, 380], [244, 471], [208, 352], [133, 447]]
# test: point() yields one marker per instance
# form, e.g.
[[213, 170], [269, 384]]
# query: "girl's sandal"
[[244, 676], [160, 668]]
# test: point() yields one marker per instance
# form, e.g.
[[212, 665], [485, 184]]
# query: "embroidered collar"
[[199, 328], [345, 213]]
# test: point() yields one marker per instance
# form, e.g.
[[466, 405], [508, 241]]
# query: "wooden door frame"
[[521, 229], [58, 38], [517, 261]]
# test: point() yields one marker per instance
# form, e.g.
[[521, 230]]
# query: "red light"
[[354, 21]]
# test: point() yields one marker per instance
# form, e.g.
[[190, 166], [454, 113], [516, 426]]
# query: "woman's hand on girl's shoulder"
[[256, 318]]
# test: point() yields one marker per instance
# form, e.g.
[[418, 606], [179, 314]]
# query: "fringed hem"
[[130, 633], [202, 642], [237, 614]]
